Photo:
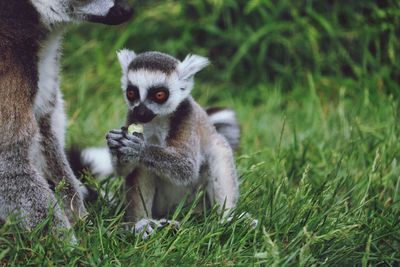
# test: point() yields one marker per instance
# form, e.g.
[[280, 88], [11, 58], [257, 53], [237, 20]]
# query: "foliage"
[[286, 39]]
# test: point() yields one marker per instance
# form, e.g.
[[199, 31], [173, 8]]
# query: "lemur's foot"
[[147, 227]]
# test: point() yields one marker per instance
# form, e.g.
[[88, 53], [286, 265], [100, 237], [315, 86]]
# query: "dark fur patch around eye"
[[157, 91], [132, 93]]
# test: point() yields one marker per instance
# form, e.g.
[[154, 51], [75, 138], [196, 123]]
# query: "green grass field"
[[316, 90]]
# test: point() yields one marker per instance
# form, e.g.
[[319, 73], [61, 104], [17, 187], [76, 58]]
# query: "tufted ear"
[[125, 57], [191, 65]]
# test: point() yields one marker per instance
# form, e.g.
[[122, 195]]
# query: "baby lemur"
[[181, 149]]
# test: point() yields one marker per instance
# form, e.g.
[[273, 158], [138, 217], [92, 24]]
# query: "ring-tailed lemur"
[[32, 119], [181, 150]]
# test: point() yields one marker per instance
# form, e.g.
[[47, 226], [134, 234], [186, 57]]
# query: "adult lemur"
[[181, 150], [32, 120]]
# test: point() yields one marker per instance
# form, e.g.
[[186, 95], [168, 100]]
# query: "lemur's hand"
[[125, 147]]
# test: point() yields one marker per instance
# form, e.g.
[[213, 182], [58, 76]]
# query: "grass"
[[319, 157]]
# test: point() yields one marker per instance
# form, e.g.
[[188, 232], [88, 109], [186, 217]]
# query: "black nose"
[[119, 13], [142, 114]]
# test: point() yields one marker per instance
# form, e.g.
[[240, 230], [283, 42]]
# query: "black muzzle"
[[142, 114], [119, 13]]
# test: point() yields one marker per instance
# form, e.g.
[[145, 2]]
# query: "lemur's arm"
[[178, 162], [180, 165]]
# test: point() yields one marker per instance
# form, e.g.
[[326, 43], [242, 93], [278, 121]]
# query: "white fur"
[[48, 68], [99, 160], [219, 188], [96, 7], [223, 116], [227, 126], [125, 57], [54, 12], [48, 92], [59, 120], [155, 131], [191, 65]]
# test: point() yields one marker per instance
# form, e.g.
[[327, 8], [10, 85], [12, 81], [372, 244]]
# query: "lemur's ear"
[[125, 57], [191, 65]]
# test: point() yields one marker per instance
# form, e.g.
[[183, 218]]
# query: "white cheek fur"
[[52, 11]]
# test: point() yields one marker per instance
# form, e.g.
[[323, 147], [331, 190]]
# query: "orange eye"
[[160, 96]]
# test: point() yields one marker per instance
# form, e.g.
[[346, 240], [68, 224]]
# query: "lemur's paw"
[[147, 227], [123, 146]]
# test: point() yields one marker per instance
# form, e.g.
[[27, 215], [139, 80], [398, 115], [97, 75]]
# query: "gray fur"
[[154, 61], [32, 118], [57, 169], [180, 153], [226, 124]]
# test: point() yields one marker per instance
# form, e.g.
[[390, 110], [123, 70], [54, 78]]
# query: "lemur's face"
[[55, 12], [154, 84]]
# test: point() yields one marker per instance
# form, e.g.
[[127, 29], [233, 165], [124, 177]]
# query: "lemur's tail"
[[226, 124], [94, 160], [97, 160]]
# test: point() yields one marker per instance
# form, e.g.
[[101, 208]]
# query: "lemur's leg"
[[51, 127], [140, 187], [222, 186], [22, 190], [26, 194]]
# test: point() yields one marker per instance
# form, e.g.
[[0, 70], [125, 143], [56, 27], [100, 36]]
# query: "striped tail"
[[226, 124], [95, 160]]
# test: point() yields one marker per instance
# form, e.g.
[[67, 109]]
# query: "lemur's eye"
[[160, 95], [132, 93]]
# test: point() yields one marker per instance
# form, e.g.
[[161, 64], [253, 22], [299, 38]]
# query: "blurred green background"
[[277, 44], [259, 41]]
